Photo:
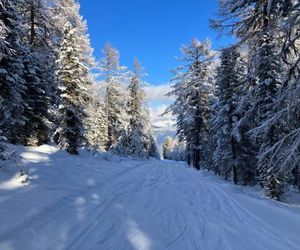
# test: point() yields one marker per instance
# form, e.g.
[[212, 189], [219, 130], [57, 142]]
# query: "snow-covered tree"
[[137, 139], [267, 24], [12, 83], [3, 31], [63, 11], [279, 161], [36, 111], [179, 153], [69, 11], [41, 82], [137, 119], [151, 144], [36, 21], [71, 86], [168, 148], [2, 51], [192, 89], [174, 149], [153, 149], [96, 123], [229, 80], [2, 147], [114, 77], [136, 97]]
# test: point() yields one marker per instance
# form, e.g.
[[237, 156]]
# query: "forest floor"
[[106, 202]]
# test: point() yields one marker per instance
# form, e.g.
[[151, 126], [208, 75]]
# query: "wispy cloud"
[[161, 122], [158, 93], [158, 103]]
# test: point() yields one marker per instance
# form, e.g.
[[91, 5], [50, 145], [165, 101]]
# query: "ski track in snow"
[[86, 202]]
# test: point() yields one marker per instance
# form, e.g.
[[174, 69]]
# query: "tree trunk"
[[233, 144], [197, 158], [234, 168], [296, 175], [197, 151], [108, 118]]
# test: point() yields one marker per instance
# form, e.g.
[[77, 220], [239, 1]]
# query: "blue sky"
[[152, 31]]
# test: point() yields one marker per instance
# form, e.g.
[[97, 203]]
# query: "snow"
[[106, 202]]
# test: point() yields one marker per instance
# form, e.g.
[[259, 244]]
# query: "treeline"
[[238, 111], [48, 91], [173, 149]]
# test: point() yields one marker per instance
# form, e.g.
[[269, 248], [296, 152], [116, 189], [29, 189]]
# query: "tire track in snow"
[[221, 207], [39, 220], [123, 188], [149, 205]]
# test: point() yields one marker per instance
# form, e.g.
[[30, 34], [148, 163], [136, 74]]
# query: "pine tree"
[[71, 87], [192, 90], [2, 147], [96, 123], [259, 22], [12, 83], [36, 127], [179, 151], [36, 21], [229, 79], [2, 51], [168, 148], [135, 110], [151, 144], [69, 11], [281, 159], [137, 140], [247, 150], [136, 97], [153, 150], [114, 78], [39, 72], [3, 32], [174, 149]]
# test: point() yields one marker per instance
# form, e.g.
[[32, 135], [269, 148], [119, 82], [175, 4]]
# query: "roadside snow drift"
[[106, 202]]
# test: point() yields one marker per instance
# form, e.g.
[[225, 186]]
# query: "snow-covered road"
[[98, 202]]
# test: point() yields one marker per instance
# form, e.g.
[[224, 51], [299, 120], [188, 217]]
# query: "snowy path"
[[94, 203]]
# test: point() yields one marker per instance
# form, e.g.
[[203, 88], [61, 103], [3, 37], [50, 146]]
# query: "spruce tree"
[[96, 123], [229, 80], [2, 51], [179, 151], [151, 144], [3, 31], [281, 159], [39, 72], [225, 150], [114, 77], [36, 127], [259, 22], [192, 90], [153, 149], [62, 12], [168, 148], [135, 111], [2, 147], [12, 83], [71, 88], [137, 139]]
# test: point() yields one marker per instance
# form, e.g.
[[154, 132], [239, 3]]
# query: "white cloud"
[[158, 93], [158, 102], [163, 126], [161, 122]]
